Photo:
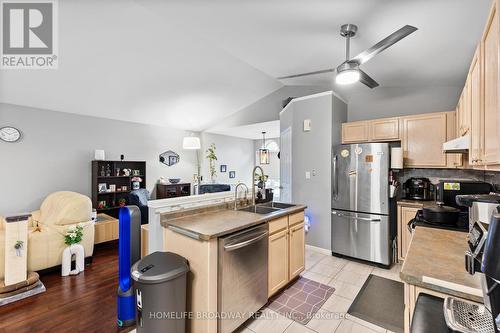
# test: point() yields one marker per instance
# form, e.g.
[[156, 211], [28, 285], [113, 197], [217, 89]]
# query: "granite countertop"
[[213, 224], [435, 260], [416, 203]]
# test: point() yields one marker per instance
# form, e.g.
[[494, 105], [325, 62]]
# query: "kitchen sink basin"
[[259, 209], [279, 205]]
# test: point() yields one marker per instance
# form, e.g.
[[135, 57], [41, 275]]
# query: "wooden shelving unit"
[[111, 173]]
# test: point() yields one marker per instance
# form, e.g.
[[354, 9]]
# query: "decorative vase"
[[79, 252]]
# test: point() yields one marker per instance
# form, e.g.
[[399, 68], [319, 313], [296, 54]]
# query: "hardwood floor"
[[82, 303]]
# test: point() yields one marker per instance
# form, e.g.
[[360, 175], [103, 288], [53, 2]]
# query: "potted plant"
[[212, 157], [122, 202]]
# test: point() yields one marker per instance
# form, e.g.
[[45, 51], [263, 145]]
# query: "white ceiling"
[[189, 63], [252, 131]]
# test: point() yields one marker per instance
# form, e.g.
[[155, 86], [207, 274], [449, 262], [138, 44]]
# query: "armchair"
[[47, 227], [140, 199]]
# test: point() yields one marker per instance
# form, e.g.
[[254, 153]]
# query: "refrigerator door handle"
[[335, 187], [356, 218]]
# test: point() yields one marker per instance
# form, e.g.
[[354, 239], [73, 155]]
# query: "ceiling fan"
[[349, 72]]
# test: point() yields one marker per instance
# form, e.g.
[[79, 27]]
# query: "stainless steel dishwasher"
[[242, 276]]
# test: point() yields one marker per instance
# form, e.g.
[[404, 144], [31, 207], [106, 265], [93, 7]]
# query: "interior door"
[[286, 165], [362, 236]]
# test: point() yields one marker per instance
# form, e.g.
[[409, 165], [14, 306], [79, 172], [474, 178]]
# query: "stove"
[[462, 224]]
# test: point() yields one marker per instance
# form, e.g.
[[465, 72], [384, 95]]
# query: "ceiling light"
[[348, 76], [191, 143]]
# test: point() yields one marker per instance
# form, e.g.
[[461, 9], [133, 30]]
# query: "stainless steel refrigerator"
[[361, 223]]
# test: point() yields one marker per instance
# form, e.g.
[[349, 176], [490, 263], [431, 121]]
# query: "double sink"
[[266, 208]]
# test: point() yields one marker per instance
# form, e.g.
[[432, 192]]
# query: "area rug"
[[301, 300], [381, 302]]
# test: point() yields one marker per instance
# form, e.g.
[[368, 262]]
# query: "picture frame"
[[223, 168], [124, 188], [232, 174], [112, 188], [102, 187]]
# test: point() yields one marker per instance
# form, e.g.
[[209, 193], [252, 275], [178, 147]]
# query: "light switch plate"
[[307, 125], [308, 175]]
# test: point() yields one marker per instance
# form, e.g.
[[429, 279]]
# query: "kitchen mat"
[[381, 302], [301, 300]]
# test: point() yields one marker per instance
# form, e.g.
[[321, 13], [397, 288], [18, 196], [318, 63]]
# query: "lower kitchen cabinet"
[[286, 251], [278, 261], [297, 250], [405, 215]]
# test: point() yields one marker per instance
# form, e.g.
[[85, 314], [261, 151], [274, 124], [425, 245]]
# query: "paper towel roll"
[[396, 158]]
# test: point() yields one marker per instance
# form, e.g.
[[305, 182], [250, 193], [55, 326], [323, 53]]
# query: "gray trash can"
[[159, 281]]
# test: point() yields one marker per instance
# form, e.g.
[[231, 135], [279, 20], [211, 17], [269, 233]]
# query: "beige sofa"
[[47, 227]]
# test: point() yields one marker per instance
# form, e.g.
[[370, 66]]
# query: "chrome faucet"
[[236, 194], [253, 181]]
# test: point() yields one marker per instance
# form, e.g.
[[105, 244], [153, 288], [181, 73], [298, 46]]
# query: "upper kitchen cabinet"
[[354, 132], [386, 129], [490, 71], [423, 138], [463, 110], [475, 95]]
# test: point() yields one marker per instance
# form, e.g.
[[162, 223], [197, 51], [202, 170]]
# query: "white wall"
[[56, 149], [390, 102], [266, 108], [236, 153], [311, 152]]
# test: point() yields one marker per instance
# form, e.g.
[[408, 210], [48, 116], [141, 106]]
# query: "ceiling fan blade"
[[367, 80], [383, 44], [305, 74]]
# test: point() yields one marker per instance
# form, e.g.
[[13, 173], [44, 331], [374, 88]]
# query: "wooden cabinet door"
[[490, 52], [477, 125], [278, 261], [452, 160], [464, 111], [386, 129], [405, 215], [297, 250], [353, 132], [423, 138]]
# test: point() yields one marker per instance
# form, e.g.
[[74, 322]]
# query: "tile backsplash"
[[434, 175]]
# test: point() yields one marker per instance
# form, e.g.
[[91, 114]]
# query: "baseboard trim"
[[319, 249]]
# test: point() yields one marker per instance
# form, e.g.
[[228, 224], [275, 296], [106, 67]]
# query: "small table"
[[106, 228]]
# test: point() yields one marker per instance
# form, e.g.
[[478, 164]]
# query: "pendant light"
[[264, 152]]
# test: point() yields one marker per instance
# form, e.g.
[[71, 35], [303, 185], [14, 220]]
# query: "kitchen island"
[[435, 265], [194, 234]]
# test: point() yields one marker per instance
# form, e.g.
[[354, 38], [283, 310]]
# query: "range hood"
[[458, 145]]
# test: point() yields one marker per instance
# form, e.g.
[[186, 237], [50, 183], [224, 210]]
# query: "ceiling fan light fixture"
[[347, 76]]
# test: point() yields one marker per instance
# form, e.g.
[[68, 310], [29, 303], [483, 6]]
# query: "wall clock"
[[10, 134]]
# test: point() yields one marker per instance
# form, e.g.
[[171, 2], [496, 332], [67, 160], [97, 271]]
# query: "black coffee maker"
[[418, 189]]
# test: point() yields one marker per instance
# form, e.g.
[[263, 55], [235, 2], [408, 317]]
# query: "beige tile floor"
[[347, 277]]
